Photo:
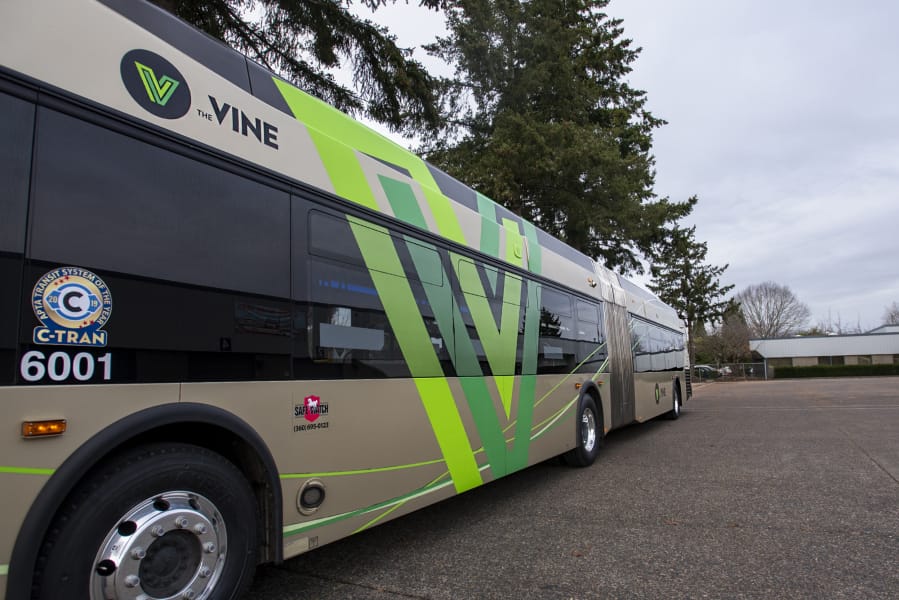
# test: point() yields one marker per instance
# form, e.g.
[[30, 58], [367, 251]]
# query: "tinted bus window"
[[196, 259], [139, 209], [16, 128], [351, 336], [591, 352], [558, 348]]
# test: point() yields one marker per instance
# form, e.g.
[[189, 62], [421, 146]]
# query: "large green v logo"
[[159, 90]]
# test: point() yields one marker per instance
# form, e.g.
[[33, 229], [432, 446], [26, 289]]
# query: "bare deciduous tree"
[[891, 314], [772, 310], [835, 325]]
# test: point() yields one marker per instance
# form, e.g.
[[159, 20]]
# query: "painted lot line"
[[780, 489]]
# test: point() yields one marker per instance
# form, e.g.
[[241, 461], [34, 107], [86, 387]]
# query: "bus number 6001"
[[59, 366]]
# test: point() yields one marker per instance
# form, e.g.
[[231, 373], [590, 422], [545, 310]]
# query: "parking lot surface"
[[778, 489]]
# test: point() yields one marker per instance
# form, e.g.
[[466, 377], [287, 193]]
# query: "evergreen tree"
[[304, 41], [682, 280], [729, 343], [543, 122]]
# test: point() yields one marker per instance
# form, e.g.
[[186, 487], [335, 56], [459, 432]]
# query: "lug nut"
[[189, 594], [138, 553], [181, 522], [200, 528], [204, 571], [157, 531], [132, 581], [209, 547]]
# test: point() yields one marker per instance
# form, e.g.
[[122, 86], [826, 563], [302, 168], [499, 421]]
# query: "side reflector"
[[311, 497], [32, 429], [577, 386]]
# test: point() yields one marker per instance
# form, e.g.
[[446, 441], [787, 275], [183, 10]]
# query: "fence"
[[728, 372]]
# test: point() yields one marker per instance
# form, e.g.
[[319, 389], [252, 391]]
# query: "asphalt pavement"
[[778, 489]]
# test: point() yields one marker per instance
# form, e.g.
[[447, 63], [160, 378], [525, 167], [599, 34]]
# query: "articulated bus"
[[236, 325]]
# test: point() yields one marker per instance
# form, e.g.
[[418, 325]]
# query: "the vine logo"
[[155, 84], [158, 90]]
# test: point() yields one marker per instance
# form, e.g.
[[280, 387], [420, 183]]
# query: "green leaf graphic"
[[158, 90]]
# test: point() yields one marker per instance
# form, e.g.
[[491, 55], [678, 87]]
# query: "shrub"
[[836, 371]]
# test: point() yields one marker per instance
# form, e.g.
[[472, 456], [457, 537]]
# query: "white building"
[[877, 347]]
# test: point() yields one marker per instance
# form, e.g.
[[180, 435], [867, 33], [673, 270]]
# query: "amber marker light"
[[33, 429], [577, 386]]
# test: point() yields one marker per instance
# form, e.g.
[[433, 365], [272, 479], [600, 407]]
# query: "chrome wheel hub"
[[588, 430], [171, 546]]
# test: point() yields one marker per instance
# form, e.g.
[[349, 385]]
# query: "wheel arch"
[[199, 424], [591, 388]]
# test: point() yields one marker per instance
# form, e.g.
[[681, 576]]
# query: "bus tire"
[[588, 435], [674, 413], [164, 519]]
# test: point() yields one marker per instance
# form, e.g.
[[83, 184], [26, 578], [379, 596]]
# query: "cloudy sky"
[[783, 117]]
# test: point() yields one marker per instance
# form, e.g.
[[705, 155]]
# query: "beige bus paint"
[[645, 391], [68, 51], [87, 409], [557, 440], [384, 430], [370, 424], [377, 445], [19, 491]]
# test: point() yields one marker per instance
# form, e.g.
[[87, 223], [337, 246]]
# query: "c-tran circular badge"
[[72, 305]]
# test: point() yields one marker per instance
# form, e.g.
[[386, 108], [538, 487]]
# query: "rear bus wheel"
[[158, 521], [674, 413]]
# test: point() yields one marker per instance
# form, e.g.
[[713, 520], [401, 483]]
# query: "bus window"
[[642, 344], [557, 352], [332, 237], [591, 345], [196, 258], [16, 127], [144, 210]]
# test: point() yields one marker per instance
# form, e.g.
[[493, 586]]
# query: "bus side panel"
[[653, 394], [29, 463], [658, 362]]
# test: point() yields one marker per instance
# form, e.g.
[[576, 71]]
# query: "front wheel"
[[589, 434], [158, 521]]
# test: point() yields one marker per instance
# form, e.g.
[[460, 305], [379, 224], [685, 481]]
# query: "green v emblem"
[[159, 90]]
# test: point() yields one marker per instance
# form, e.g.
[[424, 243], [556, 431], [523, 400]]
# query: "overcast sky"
[[783, 117]]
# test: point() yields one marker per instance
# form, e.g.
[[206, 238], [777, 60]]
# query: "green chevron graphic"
[[158, 90]]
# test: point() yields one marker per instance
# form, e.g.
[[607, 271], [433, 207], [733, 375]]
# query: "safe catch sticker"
[[72, 305]]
